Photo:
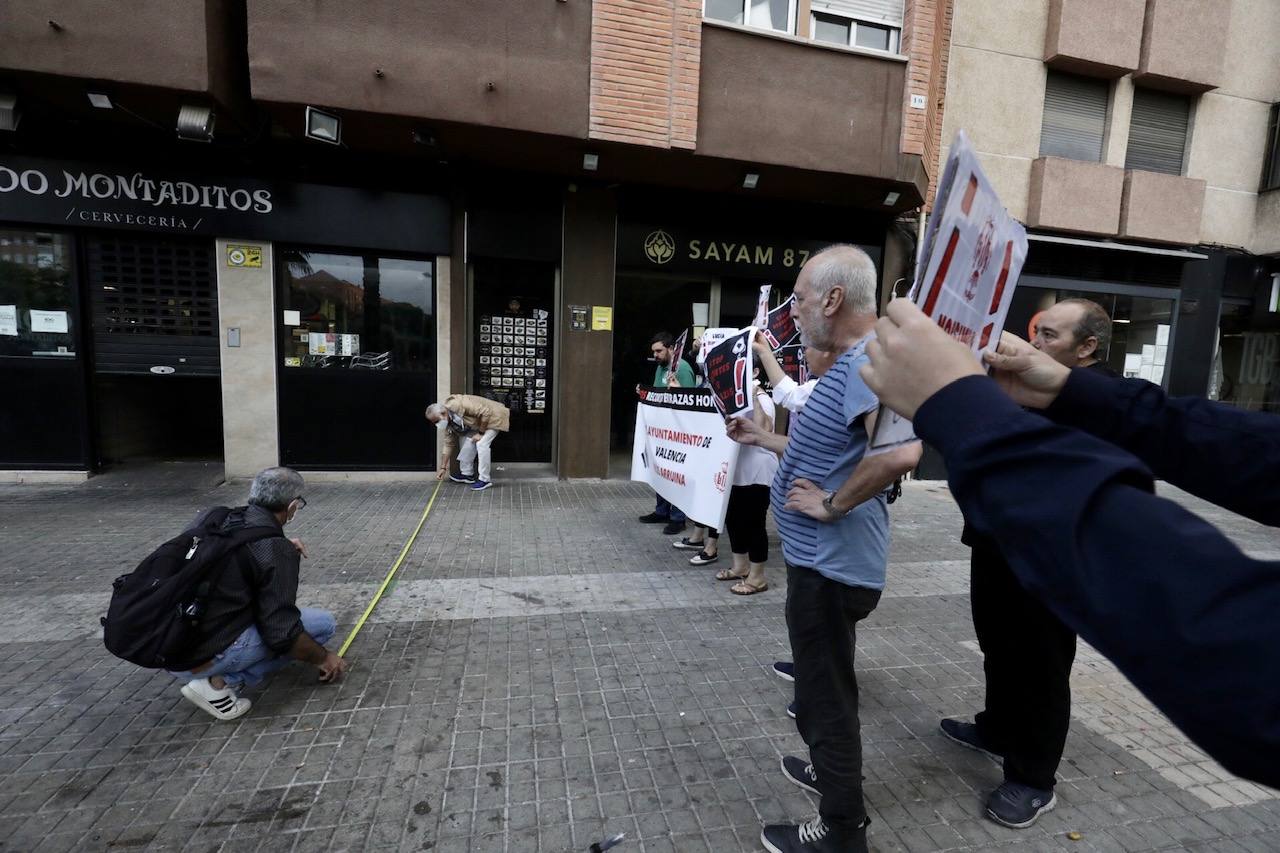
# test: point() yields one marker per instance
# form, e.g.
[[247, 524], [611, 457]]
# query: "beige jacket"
[[478, 413]]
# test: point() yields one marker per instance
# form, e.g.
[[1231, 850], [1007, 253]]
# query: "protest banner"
[[728, 371], [793, 363], [762, 306], [682, 451], [967, 271], [780, 325]]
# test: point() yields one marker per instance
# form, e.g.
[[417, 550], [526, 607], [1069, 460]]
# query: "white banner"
[[682, 451]]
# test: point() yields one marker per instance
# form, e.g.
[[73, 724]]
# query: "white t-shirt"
[[792, 396], [756, 465]]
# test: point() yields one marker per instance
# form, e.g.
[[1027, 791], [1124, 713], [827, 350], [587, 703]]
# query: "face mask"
[[442, 424]]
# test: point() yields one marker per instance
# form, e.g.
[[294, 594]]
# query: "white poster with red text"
[[682, 451]]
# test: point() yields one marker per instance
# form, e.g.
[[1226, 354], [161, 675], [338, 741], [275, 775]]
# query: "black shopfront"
[[110, 336]]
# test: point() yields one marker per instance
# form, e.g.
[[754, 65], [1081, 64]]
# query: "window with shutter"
[[1271, 165], [875, 24], [1158, 131], [1075, 117]]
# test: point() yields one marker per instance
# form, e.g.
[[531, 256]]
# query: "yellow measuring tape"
[[394, 568]]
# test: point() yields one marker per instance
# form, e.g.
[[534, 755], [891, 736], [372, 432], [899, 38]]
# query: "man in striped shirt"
[[829, 503]]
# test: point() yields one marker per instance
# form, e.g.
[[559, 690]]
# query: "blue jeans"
[[247, 661], [668, 510]]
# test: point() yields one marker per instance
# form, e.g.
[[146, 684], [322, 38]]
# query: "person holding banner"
[[1178, 608], [829, 501], [673, 371]]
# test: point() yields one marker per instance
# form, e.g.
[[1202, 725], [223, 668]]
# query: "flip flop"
[[727, 575], [745, 588]]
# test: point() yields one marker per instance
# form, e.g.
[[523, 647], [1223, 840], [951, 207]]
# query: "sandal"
[[745, 588], [728, 575]]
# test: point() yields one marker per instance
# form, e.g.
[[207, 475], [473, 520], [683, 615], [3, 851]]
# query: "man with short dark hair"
[[252, 625], [1027, 651], [668, 375]]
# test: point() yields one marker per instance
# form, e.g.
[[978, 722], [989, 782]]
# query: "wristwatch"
[[835, 514]]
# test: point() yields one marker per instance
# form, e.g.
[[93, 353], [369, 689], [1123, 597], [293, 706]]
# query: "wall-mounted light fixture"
[[100, 101], [323, 127], [749, 182], [195, 123], [891, 199], [9, 113], [590, 162]]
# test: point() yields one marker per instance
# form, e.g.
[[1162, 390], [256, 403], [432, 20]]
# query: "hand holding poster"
[[681, 449], [969, 265], [728, 368], [677, 349], [780, 325]]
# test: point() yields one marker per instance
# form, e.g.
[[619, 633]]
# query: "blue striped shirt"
[[827, 442]]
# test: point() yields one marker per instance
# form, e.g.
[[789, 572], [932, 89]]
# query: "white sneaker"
[[222, 704]]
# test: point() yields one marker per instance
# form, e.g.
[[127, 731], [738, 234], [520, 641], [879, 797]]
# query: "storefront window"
[[357, 312], [37, 317], [1246, 369]]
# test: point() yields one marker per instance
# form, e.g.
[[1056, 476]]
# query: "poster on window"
[[728, 369], [967, 272], [681, 450]]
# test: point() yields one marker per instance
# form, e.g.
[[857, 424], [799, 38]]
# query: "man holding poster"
[[673, 371], [829, 501]]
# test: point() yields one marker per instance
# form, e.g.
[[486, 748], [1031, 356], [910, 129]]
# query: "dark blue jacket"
[[1179, 609]]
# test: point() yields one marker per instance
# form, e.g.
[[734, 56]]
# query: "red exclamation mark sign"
[[739, 382], [935, 290]]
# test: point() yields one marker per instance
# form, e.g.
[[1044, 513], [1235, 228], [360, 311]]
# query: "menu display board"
[[513, 359]]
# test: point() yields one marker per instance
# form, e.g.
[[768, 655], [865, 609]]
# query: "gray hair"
[[275, 488], [1094, 323], [437, 410], [847, 266]]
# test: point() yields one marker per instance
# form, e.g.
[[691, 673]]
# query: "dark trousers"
[[1027, 655], [744, 521], [668, 510], [821, 618]]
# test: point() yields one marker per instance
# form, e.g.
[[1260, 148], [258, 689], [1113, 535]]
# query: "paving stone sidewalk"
[[544, 672]]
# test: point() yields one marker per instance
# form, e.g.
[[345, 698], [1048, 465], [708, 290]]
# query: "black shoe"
[[1018, 806], [686, 545], [813, 837], [966, 734], [702, 558], [791, 710], [800, 772], [654, 518], [784, 669], [673, 528], [463, 478]]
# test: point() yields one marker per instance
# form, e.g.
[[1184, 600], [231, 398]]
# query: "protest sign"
[[677, 349], [968, 268], [762, 306], [780, 325], [710, 338], [682, 451], [793, 363], [728, 370]]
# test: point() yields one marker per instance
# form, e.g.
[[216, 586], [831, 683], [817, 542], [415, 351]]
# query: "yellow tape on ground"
[[394, 568]]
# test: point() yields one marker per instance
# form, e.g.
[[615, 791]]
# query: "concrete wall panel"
[[1102, 37], [1161, 208], [1070, 195]]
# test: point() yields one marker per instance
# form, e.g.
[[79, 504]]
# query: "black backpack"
[[154, 619]]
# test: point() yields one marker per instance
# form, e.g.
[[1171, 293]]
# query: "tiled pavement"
[[545, 672]]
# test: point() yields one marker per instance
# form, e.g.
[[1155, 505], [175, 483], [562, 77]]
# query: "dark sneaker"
[[800, 772], [463, 478], [480, 485], [966, 734], [673, 528], [791, 710], [813, 837], [702, 558], [1018, 806], [686, 544], [784, 669], [654, 518]]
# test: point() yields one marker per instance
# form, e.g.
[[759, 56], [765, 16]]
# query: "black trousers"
[[821, 619], [1027, 655], [744, 522]]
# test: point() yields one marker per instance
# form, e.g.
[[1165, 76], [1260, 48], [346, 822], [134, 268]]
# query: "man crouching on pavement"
[[253, 626], [476, 421]]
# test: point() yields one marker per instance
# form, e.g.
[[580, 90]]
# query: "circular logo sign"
[[659, 247], [236, 256]]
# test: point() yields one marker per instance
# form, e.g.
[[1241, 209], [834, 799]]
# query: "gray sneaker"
[[1018, 806]]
